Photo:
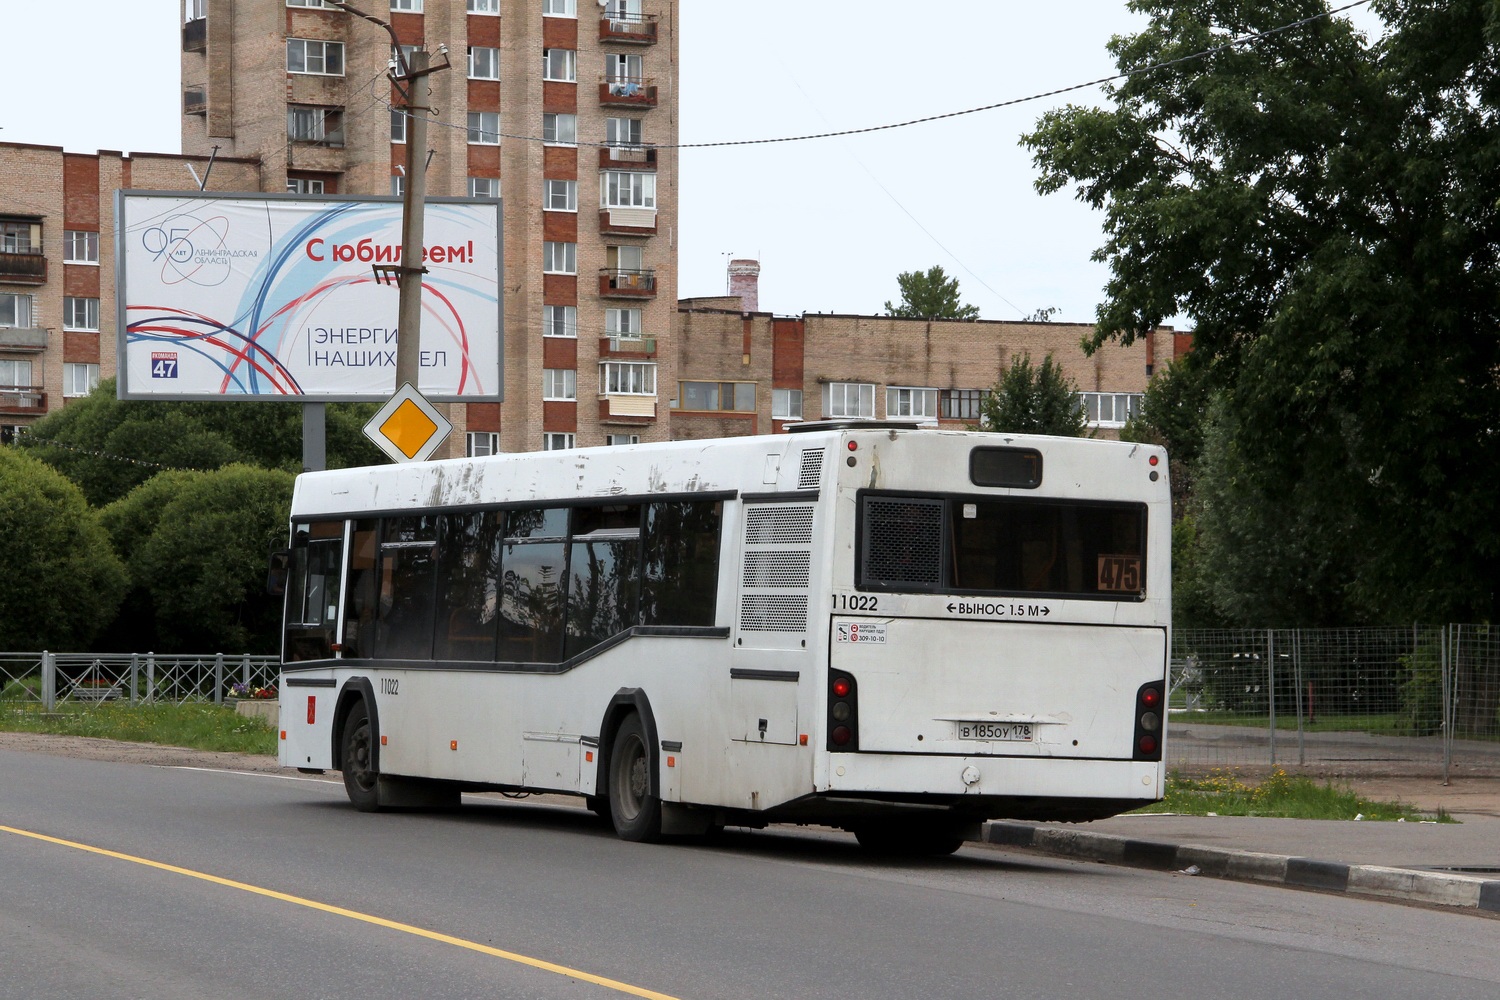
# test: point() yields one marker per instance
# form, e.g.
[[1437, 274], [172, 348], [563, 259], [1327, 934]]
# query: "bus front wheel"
[[361, 780], [633, 804]]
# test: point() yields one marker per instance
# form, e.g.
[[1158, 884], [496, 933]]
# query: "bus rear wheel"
[[633, 804], [361, 780], [910, 839]]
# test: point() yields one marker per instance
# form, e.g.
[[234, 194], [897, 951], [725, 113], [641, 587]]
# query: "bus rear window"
[[1002, 546], [1016, 468]]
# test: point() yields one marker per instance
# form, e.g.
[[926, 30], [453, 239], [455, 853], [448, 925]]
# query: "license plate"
[[1011, 732]]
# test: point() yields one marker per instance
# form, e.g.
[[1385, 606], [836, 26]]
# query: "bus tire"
[[633, 804], [910, 840], [361, 780]]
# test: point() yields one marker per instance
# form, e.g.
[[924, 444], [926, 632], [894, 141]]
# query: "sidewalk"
[[1443, 864]]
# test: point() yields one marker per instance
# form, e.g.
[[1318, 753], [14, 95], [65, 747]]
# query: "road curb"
[[1406, 885]]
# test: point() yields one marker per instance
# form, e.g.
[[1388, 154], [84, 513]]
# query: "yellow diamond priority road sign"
[[408, 428]]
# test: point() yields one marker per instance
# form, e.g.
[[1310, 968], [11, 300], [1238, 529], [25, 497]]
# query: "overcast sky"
[[833, 221]]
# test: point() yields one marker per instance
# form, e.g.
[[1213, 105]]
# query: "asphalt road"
[[277, 888]]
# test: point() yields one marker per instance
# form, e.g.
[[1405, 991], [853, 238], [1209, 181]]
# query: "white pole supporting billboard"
[[273, 297]]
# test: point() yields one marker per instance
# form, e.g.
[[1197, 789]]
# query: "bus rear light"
[[1148, 720], [843, 711]]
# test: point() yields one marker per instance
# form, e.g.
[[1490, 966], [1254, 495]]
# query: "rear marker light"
[[382, 741], [453, 744], [312, 709], [1153, 459], [671, 761], [841, 687], [283, 734]]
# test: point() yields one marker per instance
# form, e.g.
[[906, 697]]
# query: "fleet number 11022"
[[856, 602]]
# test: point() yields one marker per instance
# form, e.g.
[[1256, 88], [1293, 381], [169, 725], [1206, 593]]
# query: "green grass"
[[199, 727], [1280, 795]]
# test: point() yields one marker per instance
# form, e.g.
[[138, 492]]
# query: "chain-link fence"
[[1400, 701], [52, 678]]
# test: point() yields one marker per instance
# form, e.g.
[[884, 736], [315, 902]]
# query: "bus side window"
[[359, 608], [680, 576], [313, 590], [404, 617]]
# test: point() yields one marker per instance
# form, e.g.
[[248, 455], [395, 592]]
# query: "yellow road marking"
[[312, 904]]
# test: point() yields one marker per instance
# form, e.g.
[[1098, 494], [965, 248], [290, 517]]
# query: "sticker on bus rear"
[[859, 632]]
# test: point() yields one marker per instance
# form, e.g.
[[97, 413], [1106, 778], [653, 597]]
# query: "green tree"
[[62, 581], [109, 446], [203, 564], [1323, 209], [1034, 399], [929, 294]]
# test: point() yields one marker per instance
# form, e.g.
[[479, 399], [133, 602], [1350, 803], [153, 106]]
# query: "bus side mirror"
[[276, 572]]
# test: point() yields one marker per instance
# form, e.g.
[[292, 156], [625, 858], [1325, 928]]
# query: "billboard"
[[276, 296]]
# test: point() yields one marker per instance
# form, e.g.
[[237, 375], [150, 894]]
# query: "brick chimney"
[[744, 281]]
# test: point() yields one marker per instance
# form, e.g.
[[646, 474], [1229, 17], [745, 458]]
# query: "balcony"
[[627, 347], [626, 410], [619, 283], [21, 338], [627, 222], [28, 267], [642, 157], [22, 400], [633, 29], [195, 35], [628, 92]]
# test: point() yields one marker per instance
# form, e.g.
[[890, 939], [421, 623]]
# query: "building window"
[[623, 323], [403, 54], [197, 10], [560, 65], [484, 63], [739, 396], [561, 130], [20, 236], [849, 399], [624, 69], [15, 311], [559, 8], [79, 379], [1110, 409], [324, 126], [484, 6], [960, 404], [314, 58], [627, 378], [484, 128], [484, 187], [559, 384], [409, 6], [398, 185], [559, 258], [623, 131], [919, 403], [80, 314], [560, 196], [15, 374], [627, 189], [556, 442], [290, 3], [80, 247], [398, 125], [786, 404], [619, 439], [305, 185], [559, 321], [478, 444]]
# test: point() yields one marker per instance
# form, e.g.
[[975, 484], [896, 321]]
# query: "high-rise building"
[[564, 109]]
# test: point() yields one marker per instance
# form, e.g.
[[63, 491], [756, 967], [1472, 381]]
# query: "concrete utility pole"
[[410, 77]]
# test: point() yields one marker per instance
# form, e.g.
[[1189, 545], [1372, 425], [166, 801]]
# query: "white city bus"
[[894, 630]]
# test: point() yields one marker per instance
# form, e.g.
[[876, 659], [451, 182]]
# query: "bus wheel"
[[910, 840], [361, 780], [635, 809]]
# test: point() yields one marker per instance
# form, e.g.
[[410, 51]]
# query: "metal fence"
[[51, 679], [1399, 701]]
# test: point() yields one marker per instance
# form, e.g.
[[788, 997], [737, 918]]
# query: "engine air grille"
[[777, 569], [778, 524], [773, 612], [811, 471]]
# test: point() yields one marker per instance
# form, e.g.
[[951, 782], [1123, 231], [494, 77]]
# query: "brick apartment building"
[[556, 106], [740, 371], [57, 257]]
